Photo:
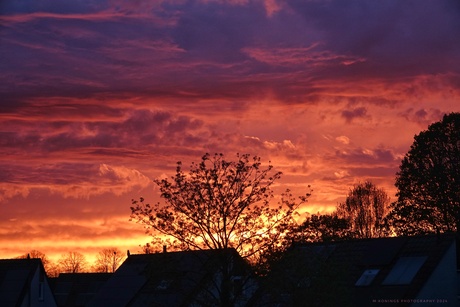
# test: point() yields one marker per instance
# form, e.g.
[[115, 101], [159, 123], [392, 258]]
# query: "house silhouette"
[[77, 289], [175, 279], [396, 271], [23, 282]]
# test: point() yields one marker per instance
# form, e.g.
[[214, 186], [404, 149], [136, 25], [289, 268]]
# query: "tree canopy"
[[220, 204], [428, 181], [321, 228], [362, 215]]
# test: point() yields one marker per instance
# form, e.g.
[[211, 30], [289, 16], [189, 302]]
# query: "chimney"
[[164, 248]]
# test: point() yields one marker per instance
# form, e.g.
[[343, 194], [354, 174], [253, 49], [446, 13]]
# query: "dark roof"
[[15, 277], [412, 258], [384, 268], [77, 289], [162, 279]]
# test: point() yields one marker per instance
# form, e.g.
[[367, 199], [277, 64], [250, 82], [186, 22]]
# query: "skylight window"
[[367, 277], [404, 271]]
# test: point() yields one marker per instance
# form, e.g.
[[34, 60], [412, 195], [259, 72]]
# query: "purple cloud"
[[352, 114]]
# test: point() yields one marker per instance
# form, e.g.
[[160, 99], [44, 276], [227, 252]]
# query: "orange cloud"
[[299, 56]]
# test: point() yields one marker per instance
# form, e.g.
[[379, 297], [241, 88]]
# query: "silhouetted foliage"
[[429, 181], [322, 228], [220, 204], [147, 248], [315, 228], [361, 216], [365, 208]]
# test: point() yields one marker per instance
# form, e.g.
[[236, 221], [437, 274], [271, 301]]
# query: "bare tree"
[[72, 262], [365, 207], [108, 260], [53, 269]]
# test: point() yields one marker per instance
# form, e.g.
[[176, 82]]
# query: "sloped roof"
[[15, 276], [412, 258], [161, 279], [383, 268], [77, 289]]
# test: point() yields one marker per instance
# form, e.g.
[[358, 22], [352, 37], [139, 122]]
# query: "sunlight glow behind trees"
[[220, 204]]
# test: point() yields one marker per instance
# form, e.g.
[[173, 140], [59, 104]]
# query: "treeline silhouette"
[[107, 261]]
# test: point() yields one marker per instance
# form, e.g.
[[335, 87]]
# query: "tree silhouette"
[[108, 260], [220, 204], [429, 181], [321, 228], [72, 262], [47, 265], [36, 254], [365, 207]]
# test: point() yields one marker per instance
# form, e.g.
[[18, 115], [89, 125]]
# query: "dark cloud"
[[352, 114], [423, 117], [85, 48], [140, 128], [56, 173], [49, 6], [387, 33], [361, 156]]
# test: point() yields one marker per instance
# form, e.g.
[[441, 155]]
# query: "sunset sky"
[[97, 98]]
